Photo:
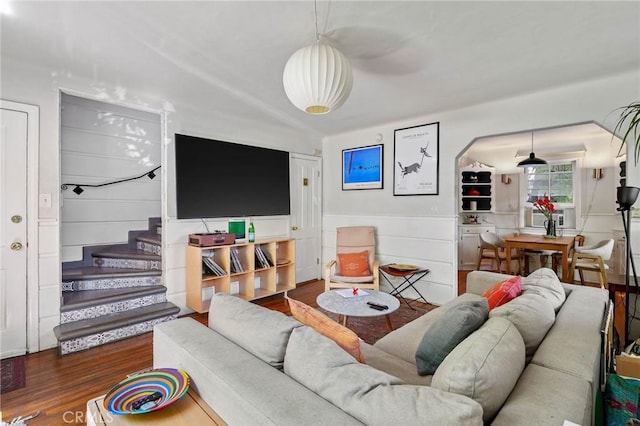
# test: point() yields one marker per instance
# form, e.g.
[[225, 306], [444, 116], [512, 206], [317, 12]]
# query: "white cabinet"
[[477, 192], [469, 245]]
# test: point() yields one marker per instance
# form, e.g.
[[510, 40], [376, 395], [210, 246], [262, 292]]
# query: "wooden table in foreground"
[[540, 242], [189, 410]]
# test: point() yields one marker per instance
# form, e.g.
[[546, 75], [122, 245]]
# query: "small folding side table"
[[409, 274]]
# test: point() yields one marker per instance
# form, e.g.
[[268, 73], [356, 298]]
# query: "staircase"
[[114, 292]]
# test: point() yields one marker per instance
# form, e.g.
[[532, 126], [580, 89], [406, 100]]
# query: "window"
[[555, 180]]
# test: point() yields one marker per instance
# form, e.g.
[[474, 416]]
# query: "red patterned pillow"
[[504, 291], [354, 264]]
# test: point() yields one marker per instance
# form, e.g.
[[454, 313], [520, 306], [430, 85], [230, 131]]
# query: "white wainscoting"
[[175, 235], [49, 275], [428, 242]]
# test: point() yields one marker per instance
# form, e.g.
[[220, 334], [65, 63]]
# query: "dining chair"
[[492, 248], [592, 259], [556, 256]]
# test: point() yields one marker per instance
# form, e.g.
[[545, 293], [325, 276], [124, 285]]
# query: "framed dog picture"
[[415, 160]]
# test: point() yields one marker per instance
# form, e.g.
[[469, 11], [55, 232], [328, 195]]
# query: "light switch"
[[45, 201]]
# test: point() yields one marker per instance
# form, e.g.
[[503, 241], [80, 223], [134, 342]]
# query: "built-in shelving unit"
[[247, 270], [477, 192]]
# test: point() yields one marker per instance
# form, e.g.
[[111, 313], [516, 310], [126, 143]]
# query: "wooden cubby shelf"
[[252, 279]]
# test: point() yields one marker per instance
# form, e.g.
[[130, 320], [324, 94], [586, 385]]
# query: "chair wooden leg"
[[581, 273], [526, 265]]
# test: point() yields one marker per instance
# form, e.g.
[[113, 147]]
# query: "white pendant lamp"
[[318, 78]]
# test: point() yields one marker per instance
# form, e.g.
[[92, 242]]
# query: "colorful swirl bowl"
[[148, 391]]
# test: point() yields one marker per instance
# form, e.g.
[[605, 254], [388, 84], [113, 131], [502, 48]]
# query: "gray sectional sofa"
[[536, 360]]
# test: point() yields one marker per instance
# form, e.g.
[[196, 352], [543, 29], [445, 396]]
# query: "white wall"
[[585, 101], [41, 86]]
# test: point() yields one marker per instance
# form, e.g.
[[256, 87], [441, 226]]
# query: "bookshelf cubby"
[[254, 281]]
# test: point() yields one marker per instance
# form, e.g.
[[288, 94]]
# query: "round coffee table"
[[356, 306]]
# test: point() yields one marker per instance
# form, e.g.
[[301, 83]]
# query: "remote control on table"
[[377, 306]]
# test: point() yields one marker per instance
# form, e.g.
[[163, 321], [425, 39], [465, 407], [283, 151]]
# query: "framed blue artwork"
[[362, 167]]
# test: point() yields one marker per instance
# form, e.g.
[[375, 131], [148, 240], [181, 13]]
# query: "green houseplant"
[[629, 119]]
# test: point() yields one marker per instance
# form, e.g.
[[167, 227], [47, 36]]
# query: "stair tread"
[[149, 237], [73, 300], [94, 272], [127, 254], [86, 327]]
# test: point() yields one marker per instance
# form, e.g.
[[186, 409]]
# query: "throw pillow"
[[354, 264], [503, 292], [533, 316], [447, 332], [545, 282], [485, 367], [345, 338]]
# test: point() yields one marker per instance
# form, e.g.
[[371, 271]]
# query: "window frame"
[[574, 184]]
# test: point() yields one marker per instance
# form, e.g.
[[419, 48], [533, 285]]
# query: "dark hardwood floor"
[[60, 386]]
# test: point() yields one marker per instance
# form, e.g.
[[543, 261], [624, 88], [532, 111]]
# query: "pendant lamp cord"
[[315, 8], [531, 141]]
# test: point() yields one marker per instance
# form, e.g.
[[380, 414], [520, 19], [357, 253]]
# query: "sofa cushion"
[[390, 364], [485, 366], [369, 395], [260, 331], [545, 282], [447, 332], [354, 264], [403, 342], [503, 292], [239, 387], [573, 343], [345, 338], [547, 397], [533, 316]]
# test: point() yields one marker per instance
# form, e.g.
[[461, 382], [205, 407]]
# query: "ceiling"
[[409, 58]]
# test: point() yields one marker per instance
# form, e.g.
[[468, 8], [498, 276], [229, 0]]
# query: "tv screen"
[[225, 179]]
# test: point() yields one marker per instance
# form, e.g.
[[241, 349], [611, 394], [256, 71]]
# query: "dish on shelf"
[[148, 391], [403, 267]]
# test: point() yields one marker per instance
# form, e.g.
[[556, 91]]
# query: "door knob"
[[16, 218], [16, 246], [294, 228]]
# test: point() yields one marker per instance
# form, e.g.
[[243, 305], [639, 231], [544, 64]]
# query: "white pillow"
[[545, 282]]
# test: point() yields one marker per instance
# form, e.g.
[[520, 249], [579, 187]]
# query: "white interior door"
[[306, 215], [13, 232]]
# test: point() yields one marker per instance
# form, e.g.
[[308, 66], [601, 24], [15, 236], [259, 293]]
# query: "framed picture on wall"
[[362, 168], [415, 160]]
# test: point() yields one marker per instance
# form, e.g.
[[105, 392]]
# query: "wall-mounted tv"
[[224, 179]]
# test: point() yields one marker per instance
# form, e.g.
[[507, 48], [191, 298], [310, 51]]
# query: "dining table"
[[541, 242]]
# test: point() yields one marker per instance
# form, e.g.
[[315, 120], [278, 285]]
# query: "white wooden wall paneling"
[[101, 143], [425, 241]]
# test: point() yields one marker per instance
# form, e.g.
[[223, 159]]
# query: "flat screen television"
[[224, 179]]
